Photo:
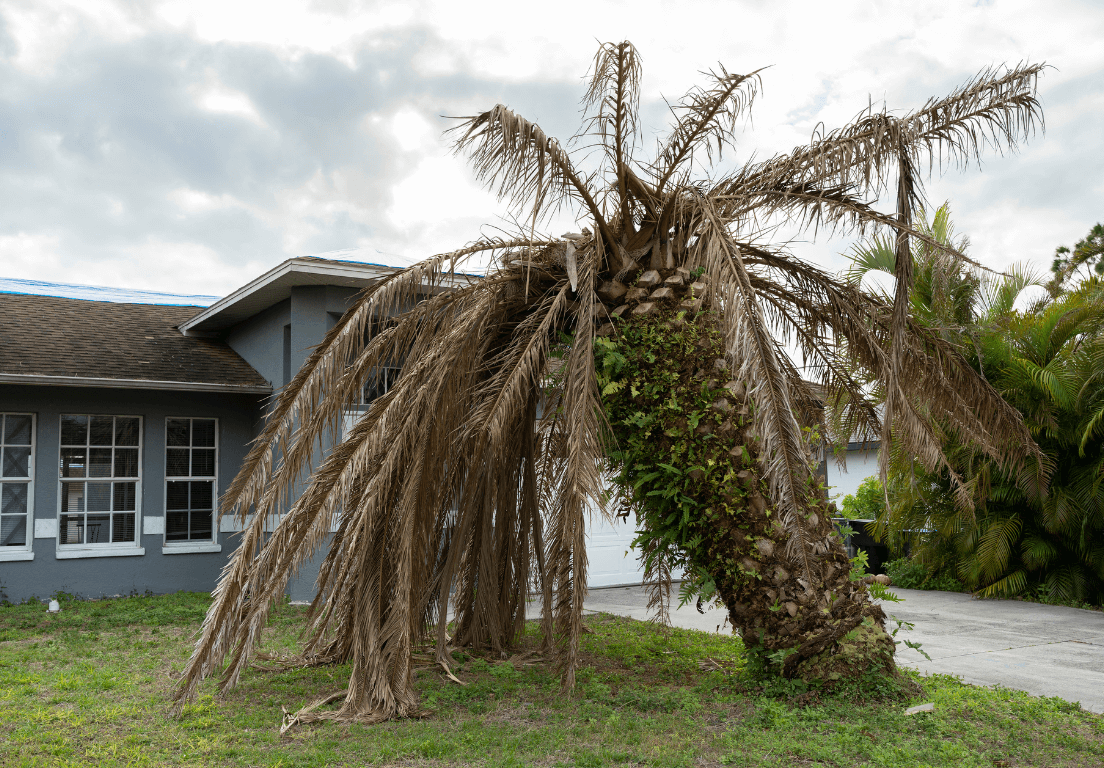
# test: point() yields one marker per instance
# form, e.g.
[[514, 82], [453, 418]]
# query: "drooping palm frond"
[[471, 482]]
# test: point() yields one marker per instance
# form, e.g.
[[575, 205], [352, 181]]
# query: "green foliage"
[[867, 503], [1085, 261], [1047, 361], [671, 457], [659, 451], [906, 573], [909, 573]]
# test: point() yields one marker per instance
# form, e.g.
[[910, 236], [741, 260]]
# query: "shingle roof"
[[77, 339]]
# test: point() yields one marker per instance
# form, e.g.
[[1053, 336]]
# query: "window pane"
[[13, 499], [122, 527], [72, 529], [176, 496], [13, 530], [202, 495], [17, 462], [374, 389], [176, 526], [97, 497], [126, 462], [102, 430], [124, 497], [74, 430], [99, 462], [176, 462], [201, 525], [97, 529], [176, 432], [126, 430], [203, 462], [17, 430], [72, 497], [73, 462], [203, 433]]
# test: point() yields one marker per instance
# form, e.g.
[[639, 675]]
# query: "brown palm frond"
[[993, 108], [614, 94], [581, 487], [522, 163], [705, 117], [753, 354], [812, 208], [938, 376]]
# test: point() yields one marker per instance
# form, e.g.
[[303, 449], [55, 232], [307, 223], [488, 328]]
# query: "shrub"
[[868, 502], [906, 573]]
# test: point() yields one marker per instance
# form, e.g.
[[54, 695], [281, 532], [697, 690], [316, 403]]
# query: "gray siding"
[[259, 340], [238, 417], [308, 315]]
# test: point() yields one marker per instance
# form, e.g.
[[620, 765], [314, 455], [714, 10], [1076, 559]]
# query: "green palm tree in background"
[[1006, 533]]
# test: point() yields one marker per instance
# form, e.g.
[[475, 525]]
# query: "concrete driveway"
[[1042, 649]]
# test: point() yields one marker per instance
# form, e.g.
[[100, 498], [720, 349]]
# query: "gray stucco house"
[[122, 423]]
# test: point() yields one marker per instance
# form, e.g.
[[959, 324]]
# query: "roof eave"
[[314, 266], [88, 381]]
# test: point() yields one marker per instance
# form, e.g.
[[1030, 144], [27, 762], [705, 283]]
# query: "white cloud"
[[412, 131], [213, 96], [42, 30], [339, 142], [180, 267], [438, 190], [32, 256], [196, 201]]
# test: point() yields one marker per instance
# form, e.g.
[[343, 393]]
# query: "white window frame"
[[110, 548], [389, 374], [191, 546], [24, 552]]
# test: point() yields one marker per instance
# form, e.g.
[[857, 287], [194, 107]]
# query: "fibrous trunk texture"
[[692, 470]]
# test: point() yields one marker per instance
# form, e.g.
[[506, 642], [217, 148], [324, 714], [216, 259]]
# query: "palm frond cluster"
[[470, 484]]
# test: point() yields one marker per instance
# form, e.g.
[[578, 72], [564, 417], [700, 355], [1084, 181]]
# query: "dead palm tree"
[[468, 484]]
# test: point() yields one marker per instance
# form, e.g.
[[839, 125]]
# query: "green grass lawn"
[[91, 685]]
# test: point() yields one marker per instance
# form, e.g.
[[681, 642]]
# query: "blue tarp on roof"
[[371, 256], [101, 293], [377, 258]]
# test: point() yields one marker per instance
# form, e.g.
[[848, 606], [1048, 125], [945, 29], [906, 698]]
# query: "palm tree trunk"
[[684, 436]]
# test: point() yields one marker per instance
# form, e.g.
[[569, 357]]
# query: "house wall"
[[259, 340], [309, 314], [861, 463], [155, 570]]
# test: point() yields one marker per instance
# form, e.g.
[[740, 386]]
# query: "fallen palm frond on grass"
[[471, 481]]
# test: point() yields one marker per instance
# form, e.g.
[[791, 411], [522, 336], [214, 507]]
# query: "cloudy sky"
[[189, 146]]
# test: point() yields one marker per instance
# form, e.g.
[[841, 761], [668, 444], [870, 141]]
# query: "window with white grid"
[[191, 476], [100, 475], [380, 383], [16, 479]]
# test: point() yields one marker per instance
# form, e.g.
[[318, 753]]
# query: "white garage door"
[[611, 561]]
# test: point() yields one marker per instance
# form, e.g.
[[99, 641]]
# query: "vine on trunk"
[[688, 464]]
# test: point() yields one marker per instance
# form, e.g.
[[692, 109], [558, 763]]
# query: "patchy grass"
[[91, 686]]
